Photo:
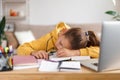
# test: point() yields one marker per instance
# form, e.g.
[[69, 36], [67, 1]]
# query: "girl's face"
[[62, 42]]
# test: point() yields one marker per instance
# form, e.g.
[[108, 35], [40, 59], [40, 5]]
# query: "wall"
[[70, 11], [0, 9], [17, 6], [117, 5]]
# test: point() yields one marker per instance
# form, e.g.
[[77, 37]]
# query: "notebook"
[[55, 66], [24, 62], [109, 49], [70, 66], [53, 57], [48, 66]]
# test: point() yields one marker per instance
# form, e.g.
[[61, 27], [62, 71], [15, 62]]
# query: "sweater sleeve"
[[41, 43], [93, 52], [35, 45]]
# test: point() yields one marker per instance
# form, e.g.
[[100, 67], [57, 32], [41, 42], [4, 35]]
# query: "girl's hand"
[[67, 52], [40, 54]]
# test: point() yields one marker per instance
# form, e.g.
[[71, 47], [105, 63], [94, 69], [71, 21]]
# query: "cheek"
[[57, 45], [67, 44]]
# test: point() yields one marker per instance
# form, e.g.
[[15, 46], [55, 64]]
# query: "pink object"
[[17, 60]]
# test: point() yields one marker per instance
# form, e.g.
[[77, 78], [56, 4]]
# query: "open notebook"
[[62, 64], [59, 66]]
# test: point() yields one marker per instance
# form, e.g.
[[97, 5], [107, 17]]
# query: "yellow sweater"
[[47, 43]]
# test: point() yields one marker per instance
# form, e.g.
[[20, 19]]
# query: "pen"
[[10, 62], [6, 49], [10, 50], [1, 48], [0, 53]]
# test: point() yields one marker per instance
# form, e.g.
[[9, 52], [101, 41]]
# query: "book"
[[24, 62], [55, 66], [75, 58]]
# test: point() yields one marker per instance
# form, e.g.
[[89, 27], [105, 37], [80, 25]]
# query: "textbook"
[[74, 58], [24, 62], [55, 66]]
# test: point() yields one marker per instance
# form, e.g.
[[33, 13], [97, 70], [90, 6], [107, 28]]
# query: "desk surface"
[[34, 74]]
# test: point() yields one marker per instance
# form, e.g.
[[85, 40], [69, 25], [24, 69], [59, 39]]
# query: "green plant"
[[2, 26], [115, 14]]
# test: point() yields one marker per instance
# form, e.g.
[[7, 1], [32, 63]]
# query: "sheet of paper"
[[48, 66]]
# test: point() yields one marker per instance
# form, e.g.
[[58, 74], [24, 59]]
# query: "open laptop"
[[109, 58]]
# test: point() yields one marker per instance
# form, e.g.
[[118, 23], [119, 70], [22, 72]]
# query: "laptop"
[[109, 58]]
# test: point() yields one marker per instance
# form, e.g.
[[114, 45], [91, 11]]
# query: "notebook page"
[[70, 65], [48, 66]]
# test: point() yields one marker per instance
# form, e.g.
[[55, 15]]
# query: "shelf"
[[15, 17], [15, 10], [14, 1]]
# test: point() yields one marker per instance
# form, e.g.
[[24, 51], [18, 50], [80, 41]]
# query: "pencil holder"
[[6, 59]]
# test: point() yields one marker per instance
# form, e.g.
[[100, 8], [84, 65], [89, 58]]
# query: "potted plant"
[[115, 14], [3, 39]]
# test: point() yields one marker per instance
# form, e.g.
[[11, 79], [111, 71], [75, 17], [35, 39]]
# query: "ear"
[[62, 31]]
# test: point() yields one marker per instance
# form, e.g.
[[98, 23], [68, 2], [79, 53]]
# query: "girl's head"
[[75, 38]]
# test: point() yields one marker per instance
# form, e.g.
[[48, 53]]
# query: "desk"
[[34, 74]]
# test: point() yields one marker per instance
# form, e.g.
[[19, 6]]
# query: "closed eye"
[[61, 44]]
